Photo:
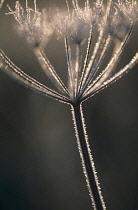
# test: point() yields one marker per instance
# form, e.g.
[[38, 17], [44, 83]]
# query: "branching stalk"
[[113, 79], [50, 71], [85, 77]]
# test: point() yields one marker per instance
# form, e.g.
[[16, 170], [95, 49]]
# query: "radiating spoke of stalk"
[[50, 71], [99, 50], [100, 58], [112, 79], [77, 68], [69, 64], [96, 63], [85, 80], [86, 60], [10, 68], [111, 65]]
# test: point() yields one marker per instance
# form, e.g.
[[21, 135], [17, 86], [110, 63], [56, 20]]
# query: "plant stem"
[[86, 158]]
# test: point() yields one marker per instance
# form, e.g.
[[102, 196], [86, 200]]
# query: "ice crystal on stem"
[[97, 26], [1, 3]]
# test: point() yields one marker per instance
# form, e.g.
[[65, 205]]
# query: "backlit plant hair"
[[114, 24], [1, 3]]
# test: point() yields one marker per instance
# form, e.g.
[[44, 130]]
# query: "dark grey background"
[[39, 163]]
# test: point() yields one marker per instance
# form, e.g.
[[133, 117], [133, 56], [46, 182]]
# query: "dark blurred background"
[[39, 162]]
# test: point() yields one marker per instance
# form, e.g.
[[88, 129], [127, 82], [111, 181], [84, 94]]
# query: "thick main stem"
[[86, 158]]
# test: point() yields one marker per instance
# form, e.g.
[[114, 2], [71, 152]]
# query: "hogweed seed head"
[[100, 25], [89, 15], [71, 26], [34, 25], [129, 8], [114, 23]]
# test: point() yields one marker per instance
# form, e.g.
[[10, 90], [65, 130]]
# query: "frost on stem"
[[11, 69], [95, 89], [1, 3], [87, 159], [102, 28]]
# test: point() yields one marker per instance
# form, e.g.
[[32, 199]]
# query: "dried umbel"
[[90, 15], [112, 25], [129, 8], [34, 25], [69, 24]]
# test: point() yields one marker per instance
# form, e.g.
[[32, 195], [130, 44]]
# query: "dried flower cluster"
[[34, 25], [97, 29], [111, 24]]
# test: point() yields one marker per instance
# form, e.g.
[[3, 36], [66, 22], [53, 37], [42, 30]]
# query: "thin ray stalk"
[[75, 4], [1, 3], [106, 72], [96, 51], [97, 63], [100, 58], [77, 68], [97, 48], [91, 62], [113, 79], [86, 158], [86, 58], [113, 62], [10, 68], [69, 64], [50, 71]]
